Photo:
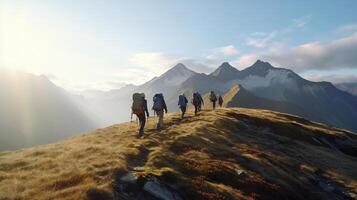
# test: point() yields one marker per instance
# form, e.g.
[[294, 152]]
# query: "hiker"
[[159, 106], [182, 104], [213, 99], [139, 108], [197, 101], [220, 101], [200, 101]]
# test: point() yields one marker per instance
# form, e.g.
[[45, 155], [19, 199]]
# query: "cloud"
[[156, 62], [264, 39], [150, 64], [335, 54], [260, 39], [202, 65], [334, 78], [348, 28], [245, 60], [302, 21], [229, 50]]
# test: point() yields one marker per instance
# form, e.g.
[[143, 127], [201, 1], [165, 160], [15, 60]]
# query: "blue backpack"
[[182, 101], [158, 102]]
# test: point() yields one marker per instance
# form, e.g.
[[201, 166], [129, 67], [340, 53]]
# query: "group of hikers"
[[140, 109]]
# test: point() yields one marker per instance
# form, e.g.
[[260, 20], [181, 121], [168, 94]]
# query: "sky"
[[90, 45]]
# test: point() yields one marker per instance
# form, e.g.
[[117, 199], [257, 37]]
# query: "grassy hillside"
[[222, 154]]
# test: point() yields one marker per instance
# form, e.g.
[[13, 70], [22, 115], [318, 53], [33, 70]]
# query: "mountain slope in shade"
[[34, 111], [348, 87], [223, 154], [225, 72], [237, 96]]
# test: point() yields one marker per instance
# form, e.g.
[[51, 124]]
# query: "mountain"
[[225, 72], [319, 101], [34, 111], [223, 154], [237, 96], [348, 87], [114, 106], [327, 103], [281, 88]]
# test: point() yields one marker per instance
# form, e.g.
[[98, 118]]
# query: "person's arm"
[[165, 108], [146, 108]]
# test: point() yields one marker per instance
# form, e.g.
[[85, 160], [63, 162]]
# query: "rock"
[[139, 169], [326, 186], [240, 172], [129, 177], [160, 191]]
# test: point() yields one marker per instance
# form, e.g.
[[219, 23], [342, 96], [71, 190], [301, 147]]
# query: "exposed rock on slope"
[[222, 154]]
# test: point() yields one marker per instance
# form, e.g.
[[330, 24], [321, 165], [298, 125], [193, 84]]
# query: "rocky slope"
[[221, 154]]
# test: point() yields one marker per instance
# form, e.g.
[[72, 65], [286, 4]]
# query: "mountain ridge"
[[222, 154]]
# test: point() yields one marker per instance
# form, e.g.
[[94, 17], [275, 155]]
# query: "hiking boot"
[[158, 127]]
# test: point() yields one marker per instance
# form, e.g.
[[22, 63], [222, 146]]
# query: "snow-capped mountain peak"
[[173, 77]]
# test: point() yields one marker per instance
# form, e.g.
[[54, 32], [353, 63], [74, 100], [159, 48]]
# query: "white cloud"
[[245, 60], [265, 39], [150, 64], [335, 54], [156, 62], [260, 39], [334, 78], [229, 50], [348, 28], [302, 21]]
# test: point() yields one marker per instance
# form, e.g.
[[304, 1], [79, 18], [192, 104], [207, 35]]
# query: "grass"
[[281, 157]]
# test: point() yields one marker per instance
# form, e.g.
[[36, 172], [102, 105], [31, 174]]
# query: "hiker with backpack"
[[182, 104], [139, 108], [200, 101], [159, 107], [220, 101], [197, 102], [213, 99]]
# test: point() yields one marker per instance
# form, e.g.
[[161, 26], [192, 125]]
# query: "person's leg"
[[161, 119], [214, 105], [196, 109], [183, 110], [160, 115], [142, 121]]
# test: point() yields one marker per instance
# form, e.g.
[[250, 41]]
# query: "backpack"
[[213, 97], [220, 99], [158, 102], [196, 99], [182, 101], [138, 103]]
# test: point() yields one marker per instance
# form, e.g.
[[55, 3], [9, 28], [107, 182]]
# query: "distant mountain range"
[[34, 111], [261, 86]]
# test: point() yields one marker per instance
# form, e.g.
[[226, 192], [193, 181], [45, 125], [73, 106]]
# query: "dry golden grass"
[[282, 156]]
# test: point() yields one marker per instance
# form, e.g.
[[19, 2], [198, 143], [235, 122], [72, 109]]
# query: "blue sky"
[[102, 44]]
